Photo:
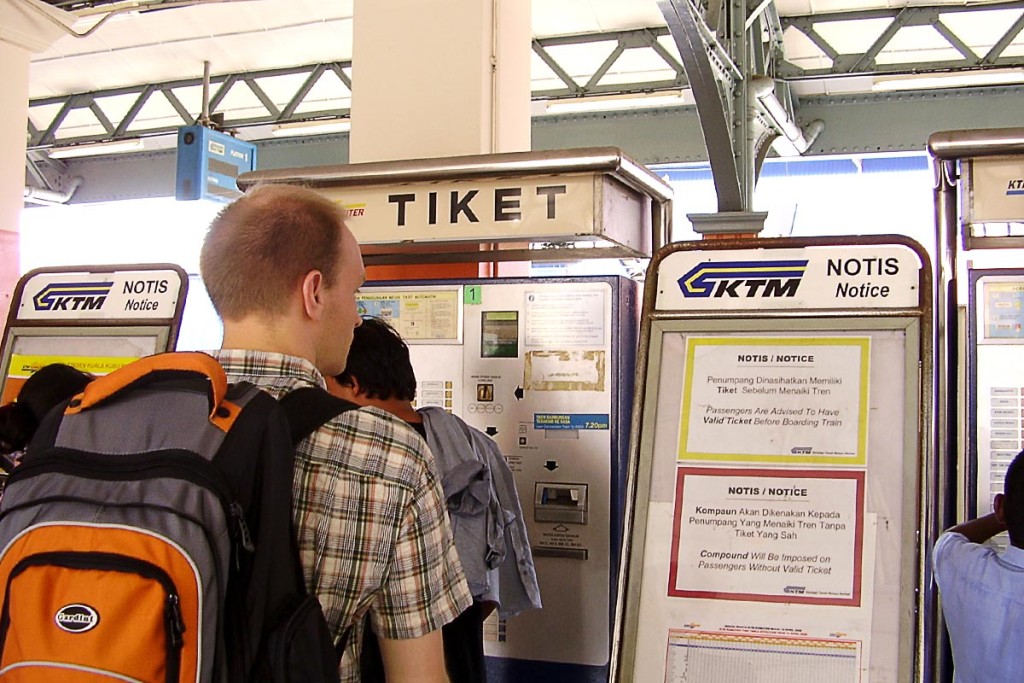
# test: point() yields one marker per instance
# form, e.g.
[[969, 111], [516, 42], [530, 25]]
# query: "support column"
[[440, 78], [26, 26], [13, 115]]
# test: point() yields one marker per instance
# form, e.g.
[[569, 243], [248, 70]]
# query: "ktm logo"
[[1015, 186], [77, 618], [72, 296], [747, 279]]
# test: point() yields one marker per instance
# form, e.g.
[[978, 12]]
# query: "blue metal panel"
[[209, 163]]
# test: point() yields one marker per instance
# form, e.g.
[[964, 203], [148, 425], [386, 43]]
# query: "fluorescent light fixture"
[[96, 149], [963, 79], [673, 98], [320, 127]]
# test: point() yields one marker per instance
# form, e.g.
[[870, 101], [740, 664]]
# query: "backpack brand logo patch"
[[77, 618]]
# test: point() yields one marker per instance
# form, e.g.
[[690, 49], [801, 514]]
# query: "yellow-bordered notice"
[[775, 399]]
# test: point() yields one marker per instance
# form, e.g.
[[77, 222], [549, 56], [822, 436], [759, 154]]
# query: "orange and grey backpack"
[[147, 535]]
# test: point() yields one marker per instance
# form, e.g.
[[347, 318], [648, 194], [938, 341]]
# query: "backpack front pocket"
[[128, 608]]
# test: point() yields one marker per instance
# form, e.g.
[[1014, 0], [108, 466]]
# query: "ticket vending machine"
[[545, 367], [995, 334]]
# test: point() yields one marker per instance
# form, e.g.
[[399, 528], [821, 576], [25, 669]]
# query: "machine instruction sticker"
[[768, 535], [785, 399], [1002, 311], [556, 320], [426, 315], [570, 421], [565, 370]]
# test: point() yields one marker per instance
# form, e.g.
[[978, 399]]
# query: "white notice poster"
[[787, 399]]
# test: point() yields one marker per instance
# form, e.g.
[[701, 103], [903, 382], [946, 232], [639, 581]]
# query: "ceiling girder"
[[721, 44], [865, 63], [737, 127], [684, 26]]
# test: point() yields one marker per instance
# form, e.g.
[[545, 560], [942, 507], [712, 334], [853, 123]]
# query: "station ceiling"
[[135, 69]]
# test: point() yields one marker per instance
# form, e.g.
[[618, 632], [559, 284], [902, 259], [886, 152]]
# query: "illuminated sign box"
[[209, 163]]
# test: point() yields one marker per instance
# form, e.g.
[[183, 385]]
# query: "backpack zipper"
[[82, 463]]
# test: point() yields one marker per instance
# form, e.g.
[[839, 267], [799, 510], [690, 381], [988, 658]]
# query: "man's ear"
[[313, 294], [997, 507], [352, 385], [349, 391]]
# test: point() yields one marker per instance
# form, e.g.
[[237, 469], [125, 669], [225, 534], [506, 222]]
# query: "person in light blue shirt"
[[982, 589]]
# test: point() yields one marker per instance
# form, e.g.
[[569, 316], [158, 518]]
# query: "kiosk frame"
[[911, 318], [96, 318]]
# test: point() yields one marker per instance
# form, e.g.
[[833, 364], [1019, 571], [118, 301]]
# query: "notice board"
[[94, 318], [778, 469]]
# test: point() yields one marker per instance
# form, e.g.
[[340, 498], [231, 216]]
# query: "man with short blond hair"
[[282, 271]]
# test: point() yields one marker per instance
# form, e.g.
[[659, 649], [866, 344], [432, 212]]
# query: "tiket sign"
[[470, 210], [996, 190]]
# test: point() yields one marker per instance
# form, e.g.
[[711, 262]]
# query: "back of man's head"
[[260, 247], [1013, 500], [379, 361]]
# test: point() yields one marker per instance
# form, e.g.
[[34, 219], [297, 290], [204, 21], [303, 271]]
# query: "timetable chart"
[[696, 657]]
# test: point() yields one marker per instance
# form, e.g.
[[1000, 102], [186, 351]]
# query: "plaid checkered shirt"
[[373, 530]]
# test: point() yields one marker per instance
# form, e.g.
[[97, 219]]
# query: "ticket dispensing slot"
[[560, 503]]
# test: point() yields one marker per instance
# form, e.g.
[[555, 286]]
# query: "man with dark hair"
[[487, 519], [282, 271], [982, 589]]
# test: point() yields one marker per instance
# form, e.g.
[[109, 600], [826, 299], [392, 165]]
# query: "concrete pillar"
[[439, 78], [26, 26]]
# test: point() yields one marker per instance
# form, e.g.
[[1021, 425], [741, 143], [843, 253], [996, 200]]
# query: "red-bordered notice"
[[768, 535]]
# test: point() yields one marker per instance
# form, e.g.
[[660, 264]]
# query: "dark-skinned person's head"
[[1009, 505], [378, 363], [47, 387]]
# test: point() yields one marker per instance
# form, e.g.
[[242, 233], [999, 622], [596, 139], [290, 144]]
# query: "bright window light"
[[97, 149], [298, 128], [159, 230], [675, 98]]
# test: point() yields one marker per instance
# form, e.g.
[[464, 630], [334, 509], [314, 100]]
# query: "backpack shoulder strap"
[[309, 408]]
